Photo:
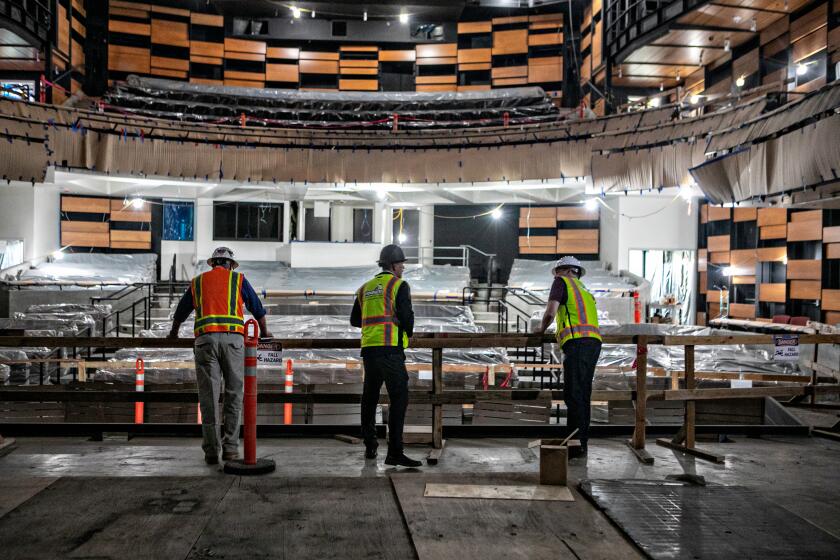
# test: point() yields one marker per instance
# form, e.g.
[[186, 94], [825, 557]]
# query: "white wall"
[[341, 223], [316, 254], [646, 222], [32, 214]]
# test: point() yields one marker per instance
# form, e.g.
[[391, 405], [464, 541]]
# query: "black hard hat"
[[391, 254]]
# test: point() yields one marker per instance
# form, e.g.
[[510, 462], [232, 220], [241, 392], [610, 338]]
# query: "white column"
[[426, 235], [287, 221], [382, 224], [301, 223]]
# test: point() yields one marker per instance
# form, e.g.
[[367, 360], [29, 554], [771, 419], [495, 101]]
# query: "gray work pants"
[[220, 357]]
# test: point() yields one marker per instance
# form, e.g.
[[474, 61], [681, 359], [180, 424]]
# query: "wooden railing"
[[437, 396]]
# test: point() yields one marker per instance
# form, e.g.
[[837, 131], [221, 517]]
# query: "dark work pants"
[[579, 361], [389, 369]]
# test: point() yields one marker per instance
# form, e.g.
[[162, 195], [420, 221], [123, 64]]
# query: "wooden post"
[[437, 389], [637, 443], [641, 393], [689, 405], [814, 373]]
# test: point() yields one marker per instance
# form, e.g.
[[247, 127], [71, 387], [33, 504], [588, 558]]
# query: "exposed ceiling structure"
[[395, 194], [702, 37], [18, 55]]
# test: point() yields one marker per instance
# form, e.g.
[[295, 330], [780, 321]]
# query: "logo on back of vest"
[[376, 292]]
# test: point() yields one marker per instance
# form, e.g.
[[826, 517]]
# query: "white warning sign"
[[786, 347], [269, 352]]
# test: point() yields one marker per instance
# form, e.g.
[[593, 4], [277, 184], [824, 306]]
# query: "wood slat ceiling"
[[698, 40]]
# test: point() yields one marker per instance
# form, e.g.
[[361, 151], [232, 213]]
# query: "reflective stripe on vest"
[[377, 302], [578, 318], [217, 296]]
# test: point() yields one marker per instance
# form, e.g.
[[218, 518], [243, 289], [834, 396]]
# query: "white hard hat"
[[570, 261], [223, 253]]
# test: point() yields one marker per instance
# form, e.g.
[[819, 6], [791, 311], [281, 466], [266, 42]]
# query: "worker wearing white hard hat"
[[572, 308], [218, 297]]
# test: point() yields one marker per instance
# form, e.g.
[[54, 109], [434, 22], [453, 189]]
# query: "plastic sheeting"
[[295, 108], [537, 276], [93, 270], [458, 319], [278, 276]]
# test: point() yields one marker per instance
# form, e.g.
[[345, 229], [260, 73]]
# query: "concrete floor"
[[798, 473]]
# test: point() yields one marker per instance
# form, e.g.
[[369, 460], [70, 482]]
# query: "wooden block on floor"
[[499, 492]]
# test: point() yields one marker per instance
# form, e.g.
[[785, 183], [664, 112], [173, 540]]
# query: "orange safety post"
[[506, 119], [250, 465], [139, 386], [396, 121], [289, 385], [637, 307]]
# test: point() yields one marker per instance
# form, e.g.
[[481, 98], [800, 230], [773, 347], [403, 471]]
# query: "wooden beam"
[[691, 451], [641, 393], [437, 389]]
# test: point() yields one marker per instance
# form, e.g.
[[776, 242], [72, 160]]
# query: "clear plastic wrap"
[[537, 276], [93, 269]]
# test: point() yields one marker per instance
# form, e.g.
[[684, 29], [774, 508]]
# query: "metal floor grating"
[[672, 520]]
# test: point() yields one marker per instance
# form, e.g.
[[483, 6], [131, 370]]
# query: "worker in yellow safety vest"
[[218, 297], [572, 308], [383, 311]]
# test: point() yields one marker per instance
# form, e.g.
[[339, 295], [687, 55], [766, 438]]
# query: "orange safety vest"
[[217, 297]]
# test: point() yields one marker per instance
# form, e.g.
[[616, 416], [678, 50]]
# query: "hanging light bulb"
[[801, 69], [496, 213], [726, 45], [138, 203], [740, 81], [403, 17], [661, 86], [402, 237], [694, 99], [295, 12], [679, 77], [364, 16]]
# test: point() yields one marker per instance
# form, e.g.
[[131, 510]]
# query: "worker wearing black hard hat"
[[383, 311]]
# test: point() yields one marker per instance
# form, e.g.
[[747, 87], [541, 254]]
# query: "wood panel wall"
[[559, 230], [178, 44], [777, 261], [99, 223], [68, 51]]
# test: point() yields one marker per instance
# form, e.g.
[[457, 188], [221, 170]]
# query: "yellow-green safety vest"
[[578, 318], [379, 322]]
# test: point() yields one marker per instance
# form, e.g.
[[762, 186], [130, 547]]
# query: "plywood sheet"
[[830, 300], [717, 243], [804, 231], [743, 259], [805, 289], [720, 257], [771, 254], [576, 213], [84, 227], [442, 50], [514, 41], [397, 56], [533, 530], [537, 241], [772, 232], [742, 310], [742, 214], [474, 27], [831, 234], [832, 251], [772, 216], [719, 213], [85, 205], [804, 269], [533, 492], [772, 292]]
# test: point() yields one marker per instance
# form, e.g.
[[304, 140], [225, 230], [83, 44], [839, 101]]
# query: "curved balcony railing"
[[631, 23], [32, 18]]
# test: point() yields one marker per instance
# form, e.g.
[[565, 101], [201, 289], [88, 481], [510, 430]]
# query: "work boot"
[[211, 458], [401, 460], [370, 451], [577, 452], [230, 455]]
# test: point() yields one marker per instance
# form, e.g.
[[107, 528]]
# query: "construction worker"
[[572, 308], [383, 311], [218, 297]]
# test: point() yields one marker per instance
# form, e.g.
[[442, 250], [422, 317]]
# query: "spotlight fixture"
[[364, 16], [726, 45], [402, 238], [403, 17], [295, 12], [694, 99], [801, 69], [740, 81], [138, 203], [497, 213]]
